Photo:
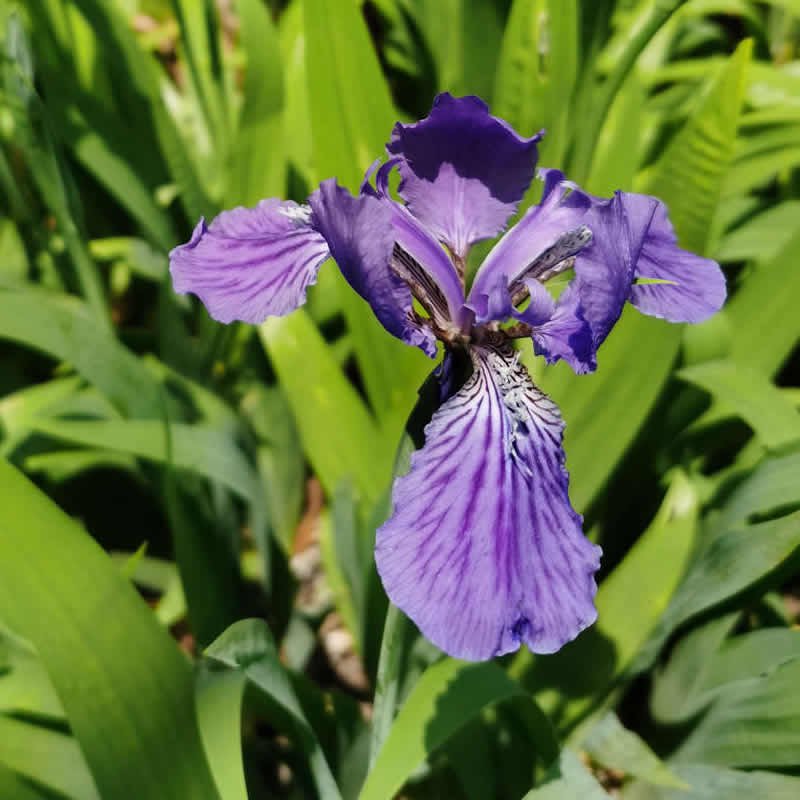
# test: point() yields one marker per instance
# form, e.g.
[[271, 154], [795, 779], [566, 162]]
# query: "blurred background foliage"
[[188, 602]]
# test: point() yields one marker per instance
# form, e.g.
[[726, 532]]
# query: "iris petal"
[[251, 263], [463, 170], [360, 235], [696, 287], [611, 243], [566, 334], [483, 549], [426, 251], [546, 236]]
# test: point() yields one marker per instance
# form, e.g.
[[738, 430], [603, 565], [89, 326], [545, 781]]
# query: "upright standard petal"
[[463, 171], [360, 236], [428, 266], [251, 263], [693, 288], [538, 247], [483, 549]]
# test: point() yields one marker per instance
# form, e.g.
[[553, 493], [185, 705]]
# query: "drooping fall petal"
[[483, 549], [251, 263]]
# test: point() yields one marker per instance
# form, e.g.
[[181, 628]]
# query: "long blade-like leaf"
[[120, 678]]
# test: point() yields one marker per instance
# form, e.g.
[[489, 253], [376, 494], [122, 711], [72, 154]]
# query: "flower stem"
[[388, 681]]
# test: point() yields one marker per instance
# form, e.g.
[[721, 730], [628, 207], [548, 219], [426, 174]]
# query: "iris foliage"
[[189, 604]]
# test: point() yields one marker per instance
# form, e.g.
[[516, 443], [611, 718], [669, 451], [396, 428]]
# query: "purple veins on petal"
[[463, 171], [360, 235], [251, 263], [483, 549]]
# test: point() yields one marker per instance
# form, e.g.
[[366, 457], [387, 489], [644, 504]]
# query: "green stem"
[[390, 658], [661, 11], [388, 681], [91, 285]]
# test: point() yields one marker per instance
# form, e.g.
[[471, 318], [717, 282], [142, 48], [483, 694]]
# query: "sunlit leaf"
[[448, 695], [247, 646], [119, 676]]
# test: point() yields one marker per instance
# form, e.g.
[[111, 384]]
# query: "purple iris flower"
[[483, 549]]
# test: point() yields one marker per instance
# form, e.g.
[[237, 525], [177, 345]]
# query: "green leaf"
[[773, 486], [753, 722], [89, 136], [65, 329], [729, 562], [197, 21], [258, 159], [568, 780], [677, 691], [339, 435], [768, 293], [25, 688], [297, 113], [119, 676], [613, 746], [751, 654], [162, 577], [471, 756], [33, 135], [651, 571], [136, 254], [537, 71], [219, 715], [46, 757], [618, 152], [18, 787], [771, 415], [758, 170], [336, 531], [643, 23], [279, 456], [447, 696], [13, 258], [760, 237], [689, 174], [19, 409], [136, 78], [717, 783], [207, 559], [335, 577], [460, 37], [351, 109], [351, 120], [206, 451], [248, 646]]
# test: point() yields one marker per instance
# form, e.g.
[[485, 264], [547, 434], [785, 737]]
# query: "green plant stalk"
[[387, 685], [662, 10], [89, 279]]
